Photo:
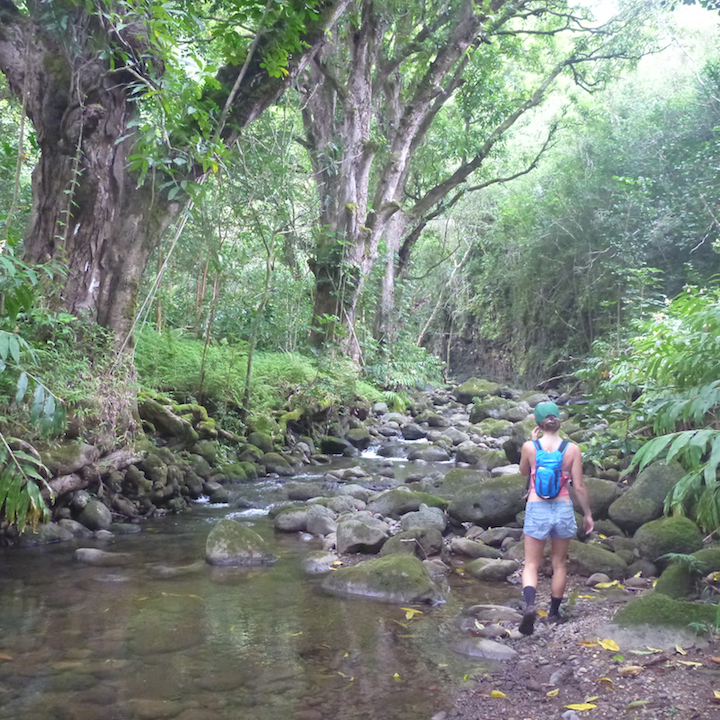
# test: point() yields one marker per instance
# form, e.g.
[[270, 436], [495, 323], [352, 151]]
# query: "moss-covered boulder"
[[230, 543], [661, 610], [420, 542], [68, 457], [458, 479], [200, 466], [276, 463], [330, 445], [520, 434], [95, 516], [429, 453], [494, 407], [645, 499], [473, 549], [234, 472], [602, 494], [155, 470], [396, 502], [493, 428], [359, 437], [475, 388], [261, 440], [492, 502], [250, 454], [192, 412], [678, 580], [668, 535], [167, 423], [401, 579], [250, 469], [586, 559], [487, 569], [207, 449], [361, 533]]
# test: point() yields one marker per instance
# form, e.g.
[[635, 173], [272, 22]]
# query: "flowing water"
[[168, 636]]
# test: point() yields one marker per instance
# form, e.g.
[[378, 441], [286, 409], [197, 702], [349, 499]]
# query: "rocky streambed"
[[421, 510]]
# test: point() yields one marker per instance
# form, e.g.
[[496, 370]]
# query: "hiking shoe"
[[556, 619], [527, 624]]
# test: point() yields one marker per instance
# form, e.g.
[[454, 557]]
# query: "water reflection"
[[172, 637]]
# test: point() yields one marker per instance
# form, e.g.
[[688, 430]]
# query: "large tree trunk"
[[88, 213]]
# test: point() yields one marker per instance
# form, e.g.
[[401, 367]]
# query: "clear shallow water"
[[79, 642]]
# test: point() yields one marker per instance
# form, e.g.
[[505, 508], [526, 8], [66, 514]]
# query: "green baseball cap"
[[543, 409]]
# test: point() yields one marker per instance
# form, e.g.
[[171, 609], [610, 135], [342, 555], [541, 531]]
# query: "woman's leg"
[[533, 557], [559, 565]]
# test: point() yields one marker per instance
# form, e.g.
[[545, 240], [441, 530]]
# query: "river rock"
[[95, 515], [505, 470], [494, 407], [412, 431], [602, 494], [475, 388], [347, 474], [303, 490], [481, 458], [319, 563], [586, 559], [492, 502], [401, 579], [596, 579], [431, 453], [494, 428], [421, 542], [424, 518], [261, 440], [167, 423], [668, 535], [359, 437], [645, 498], [484, 648], [44, 534], [472, 549], [489, 569], [455, 436], [77, 529], [100, 558], [494, 613], [336, 446], [517, 413], [320, 520], [361, 533], [520, 434], [292, 518], [230, 543], [458, 479], [398, 501], [276, 463]]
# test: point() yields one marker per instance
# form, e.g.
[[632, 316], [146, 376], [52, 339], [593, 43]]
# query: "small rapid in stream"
[[169, 636]]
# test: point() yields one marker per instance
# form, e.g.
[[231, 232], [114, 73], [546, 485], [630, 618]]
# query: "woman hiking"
[[551, 464]]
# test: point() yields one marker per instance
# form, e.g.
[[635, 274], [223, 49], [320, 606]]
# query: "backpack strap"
[[562, 447]]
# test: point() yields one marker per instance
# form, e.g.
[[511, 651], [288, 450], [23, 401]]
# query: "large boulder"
[[481, 458], [359, 437], [431, 453], [668, 535], [262, 441], [458, 479], [401, 579], [586, 559], [473, 549], [230, 543], [491, 502], [495, 407], [167, 423], [67, 458], [424, 518], [419, 542], [520, 434], [488, 569], [494, 428], [645, 499], [361, 533], [679, 581], [276, 463], [95, 516], [330, 445], [398, 501], [602, 494], [475, 388], [44, 534]]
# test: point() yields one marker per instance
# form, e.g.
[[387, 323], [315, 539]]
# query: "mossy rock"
[[197, 413], [207, 449], [207, 430], [234, 472], [602, 493], [420, 542], [668, 535], [359, 437], [493, 428], [586, 559], [664, 611], [251, 454], [645, 499], [275, 463], [400, 579], [458, 479], [475, 388], [330, 445], [167, 422], [155, 470], [230, 543], [67, 458], [494, 407], [261, 440], [677, 581], [250, 469], [489, 570], [489, 503], [397, 502]]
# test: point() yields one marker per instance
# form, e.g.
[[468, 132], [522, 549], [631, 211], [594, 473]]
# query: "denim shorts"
[[546, 518]]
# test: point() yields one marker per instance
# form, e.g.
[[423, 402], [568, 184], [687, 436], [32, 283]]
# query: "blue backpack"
[[548, 473]]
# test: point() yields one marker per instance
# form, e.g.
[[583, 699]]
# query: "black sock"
[[555, 605], [529, 593]]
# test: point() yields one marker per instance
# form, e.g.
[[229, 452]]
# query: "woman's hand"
[[589, 524], [536, 431]]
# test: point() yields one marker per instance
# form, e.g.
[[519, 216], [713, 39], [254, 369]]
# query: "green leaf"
[[4, 344], [49, 411], [37, 404], [22, 386], [14, 348], [679, 443], [651, 450]]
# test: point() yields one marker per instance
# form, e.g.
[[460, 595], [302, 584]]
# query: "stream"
[[169, 636]]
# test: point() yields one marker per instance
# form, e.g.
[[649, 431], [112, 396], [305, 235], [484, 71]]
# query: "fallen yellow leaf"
[[411, 612], [652, 649], [497, 694], [581, 706], [638, 574], [715, 659], [396, 677], [337, 562], [690, 663], [542, 614], [603, 585], [554, 693], [604, 681], [586, 597], [608, 644], [680, 650], [603, 537], [717, 694], [479, 625], [592, 699], [630, 670], [587, 643]]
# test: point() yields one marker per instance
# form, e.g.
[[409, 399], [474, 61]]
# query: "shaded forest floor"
[[647, 673]]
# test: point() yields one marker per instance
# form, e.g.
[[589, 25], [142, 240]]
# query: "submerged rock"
[[483, 648], [231, 543], [395, 579], [100, 558]]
